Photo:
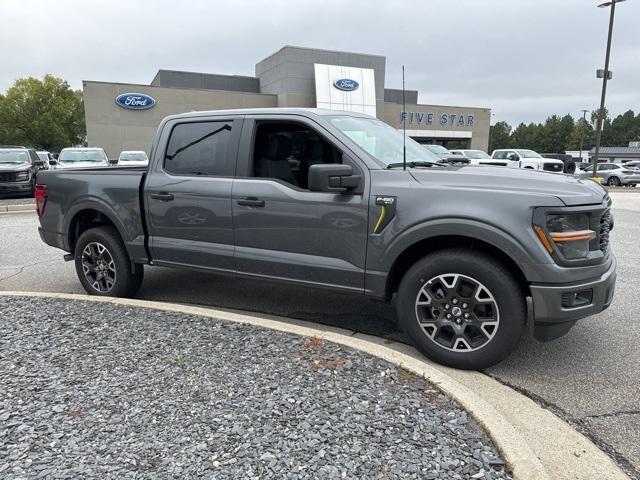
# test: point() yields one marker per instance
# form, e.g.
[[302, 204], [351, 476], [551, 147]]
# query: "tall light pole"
[[584, 121], [489, 139], [605, 77]]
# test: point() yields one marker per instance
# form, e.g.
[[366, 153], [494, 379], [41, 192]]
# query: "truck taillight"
[[41, 198]]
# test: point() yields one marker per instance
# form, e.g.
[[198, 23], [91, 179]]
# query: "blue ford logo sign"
[[346, 84], [135, 101]]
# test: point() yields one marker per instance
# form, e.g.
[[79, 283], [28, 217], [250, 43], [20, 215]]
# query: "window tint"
[[286, 151], [500, 155], [198, 148]]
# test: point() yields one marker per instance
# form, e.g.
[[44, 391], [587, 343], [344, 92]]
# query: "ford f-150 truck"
[[328, 199]]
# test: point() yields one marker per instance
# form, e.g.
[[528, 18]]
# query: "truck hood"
[[569, 189], [14, 167], [65, 165]]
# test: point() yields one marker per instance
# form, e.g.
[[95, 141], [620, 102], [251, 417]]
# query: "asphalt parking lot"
[[589, 377]]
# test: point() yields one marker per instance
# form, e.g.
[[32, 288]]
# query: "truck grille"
[[606, 223], [553, 167], [8, 177]]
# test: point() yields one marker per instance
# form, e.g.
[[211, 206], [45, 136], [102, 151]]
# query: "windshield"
[[134, 156], [16, 157], [42, 156], [476, 154], [380, 140], [82, 155], [528, 154]]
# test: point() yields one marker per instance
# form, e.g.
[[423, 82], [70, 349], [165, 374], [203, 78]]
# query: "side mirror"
[[512, 156], [53, 161], [332, 177]]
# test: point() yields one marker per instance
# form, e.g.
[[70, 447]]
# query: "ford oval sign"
[[346, 84], [135, 101]]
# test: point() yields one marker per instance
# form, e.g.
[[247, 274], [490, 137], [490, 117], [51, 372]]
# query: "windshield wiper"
[[421, 163]]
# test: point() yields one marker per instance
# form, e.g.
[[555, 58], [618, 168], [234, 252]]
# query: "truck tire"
[[461, 308], [103, 265]]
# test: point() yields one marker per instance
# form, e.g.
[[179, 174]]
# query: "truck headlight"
[[569, 233], [22, 175]]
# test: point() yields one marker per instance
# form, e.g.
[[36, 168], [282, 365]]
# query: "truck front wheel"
[[461, 308], [103, 265]]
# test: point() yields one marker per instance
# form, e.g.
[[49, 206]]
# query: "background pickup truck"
[[325, 199]]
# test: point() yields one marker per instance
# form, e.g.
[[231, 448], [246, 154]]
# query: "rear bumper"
[[630, 180], [54, 239], [553, 317]]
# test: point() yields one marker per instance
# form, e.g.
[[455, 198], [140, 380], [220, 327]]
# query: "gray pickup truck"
[[319, 198]]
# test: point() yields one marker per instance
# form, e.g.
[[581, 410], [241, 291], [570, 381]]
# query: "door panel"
[[188, 201], [194, 228], [300, 235]]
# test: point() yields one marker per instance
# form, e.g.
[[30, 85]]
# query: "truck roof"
[[309, 112]]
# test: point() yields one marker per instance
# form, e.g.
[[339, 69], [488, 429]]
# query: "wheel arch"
[[90, 215], [425, 246]]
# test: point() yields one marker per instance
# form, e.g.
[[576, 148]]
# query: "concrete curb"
[[536, 444], [17, 208]]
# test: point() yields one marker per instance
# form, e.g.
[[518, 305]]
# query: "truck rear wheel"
[[103, 265], [461, 308]]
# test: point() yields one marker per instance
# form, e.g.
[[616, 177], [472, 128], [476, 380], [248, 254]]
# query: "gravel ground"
[[102, 391]]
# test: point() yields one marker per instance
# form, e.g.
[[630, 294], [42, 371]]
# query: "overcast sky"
[[524, 59]]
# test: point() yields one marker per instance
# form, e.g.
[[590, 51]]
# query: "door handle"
[[163, 196], [251, 202]]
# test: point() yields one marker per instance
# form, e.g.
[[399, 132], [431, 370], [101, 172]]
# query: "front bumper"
[[16, 187], [552, 319]]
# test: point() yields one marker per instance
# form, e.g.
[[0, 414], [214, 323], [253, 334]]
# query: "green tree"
[[530, 136], [573, 142], [45, 114], [624, 128], [499, 136]]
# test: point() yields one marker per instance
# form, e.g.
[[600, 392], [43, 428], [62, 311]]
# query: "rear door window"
[[199, 148]]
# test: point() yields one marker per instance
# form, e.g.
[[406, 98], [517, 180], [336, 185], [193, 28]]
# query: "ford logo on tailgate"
[[346, 84], [135, 101]]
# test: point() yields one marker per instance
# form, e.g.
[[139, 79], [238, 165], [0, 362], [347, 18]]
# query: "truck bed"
[[87, 194]]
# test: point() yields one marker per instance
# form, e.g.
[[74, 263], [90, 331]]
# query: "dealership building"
[[124, 116]]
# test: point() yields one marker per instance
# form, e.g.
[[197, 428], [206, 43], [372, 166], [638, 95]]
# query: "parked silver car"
[[613, 174], [445, 155]]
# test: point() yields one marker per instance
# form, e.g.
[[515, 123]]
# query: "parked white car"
[[82, 157], [45, 157], [478, 157], [523, 158], [133, 157]]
